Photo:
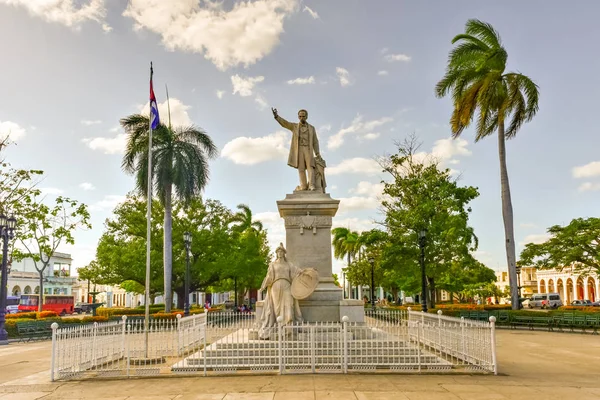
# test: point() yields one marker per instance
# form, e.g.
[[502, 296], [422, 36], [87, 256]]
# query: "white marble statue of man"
[[304, 147], [279, 301]]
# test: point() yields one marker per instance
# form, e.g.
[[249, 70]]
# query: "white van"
[[545, 300]]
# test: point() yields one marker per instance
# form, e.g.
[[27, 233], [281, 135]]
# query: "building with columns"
[[570, 285]]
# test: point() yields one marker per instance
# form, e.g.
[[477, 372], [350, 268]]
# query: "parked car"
[[582, 303], [82, 308], [545, 300]]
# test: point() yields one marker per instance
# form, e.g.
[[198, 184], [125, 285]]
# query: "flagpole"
[[148, 225]]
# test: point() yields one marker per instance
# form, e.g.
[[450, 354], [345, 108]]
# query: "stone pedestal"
[[308, 217]]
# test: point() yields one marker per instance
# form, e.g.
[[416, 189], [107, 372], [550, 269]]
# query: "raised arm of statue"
[[282, 121]]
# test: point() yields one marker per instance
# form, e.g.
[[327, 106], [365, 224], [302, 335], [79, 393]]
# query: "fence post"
[[204, 346], [418, 345], [94, 344], [345, 320], [439, 313], [280, 342], [179, 333], [462, 335], [124, 322], [54, 327], [311, 329], [493, 343]]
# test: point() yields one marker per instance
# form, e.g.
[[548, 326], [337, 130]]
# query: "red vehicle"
[[60, 304]]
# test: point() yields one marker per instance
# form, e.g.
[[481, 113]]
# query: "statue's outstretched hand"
[[274, 112]]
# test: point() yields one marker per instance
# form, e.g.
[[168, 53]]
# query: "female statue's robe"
[[279, 301]]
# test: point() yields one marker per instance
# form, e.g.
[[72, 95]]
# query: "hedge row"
[[112, 312], [32, 315]]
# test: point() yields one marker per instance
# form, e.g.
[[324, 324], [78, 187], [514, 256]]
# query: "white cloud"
[[371, 136], [357, 203], [244, 34], [262, 103], [109, 202], [71, 13], [244, 86], [12, 129], [87, 186], [589, 187], [302, 81], [274, 225], [220, 94], [356, 165], [179, 112], [448, 149], [355, 224], [311, 12], [363, 129], [368, 188], [108, 145], [397, 57], [382, 73], [535, 238], [343, 76], [251, 151], [587, 170], [116, 144], [51, 191], [88, 122]]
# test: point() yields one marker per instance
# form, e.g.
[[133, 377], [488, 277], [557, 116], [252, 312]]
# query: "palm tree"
[[345, 243], [179, 161], [476, 78], [244, 221]]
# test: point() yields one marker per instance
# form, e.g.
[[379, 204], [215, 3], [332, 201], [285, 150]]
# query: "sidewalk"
[[532, 365]]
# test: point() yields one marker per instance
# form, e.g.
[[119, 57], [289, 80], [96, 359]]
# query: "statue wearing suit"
[[304, 148]]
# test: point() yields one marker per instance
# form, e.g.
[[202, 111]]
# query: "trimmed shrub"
[[579, 308], [25, 315]]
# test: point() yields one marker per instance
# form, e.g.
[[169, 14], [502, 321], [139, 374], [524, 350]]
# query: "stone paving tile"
[[431, 396], [250, 396], [334, 395], [201, 396], [308, 395], [479, 396], [23, 396], [380, 396], [290, 383], [566, 393]]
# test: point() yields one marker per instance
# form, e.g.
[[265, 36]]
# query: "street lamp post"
[[7, 229], [187, 239], [518, 268], [372, 262], [344, 284], [422, 237]]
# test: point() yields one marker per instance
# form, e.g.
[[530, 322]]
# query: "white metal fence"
[[227, 342]]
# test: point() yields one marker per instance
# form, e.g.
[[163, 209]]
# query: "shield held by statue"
[[305, 283]]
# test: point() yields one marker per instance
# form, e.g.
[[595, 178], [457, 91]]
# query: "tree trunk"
[[507, 215], [168, 250], [180, 297], [41, 296]]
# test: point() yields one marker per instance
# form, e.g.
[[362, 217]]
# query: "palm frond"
[[483, 31]]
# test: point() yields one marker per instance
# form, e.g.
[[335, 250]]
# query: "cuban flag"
[[154, 119]]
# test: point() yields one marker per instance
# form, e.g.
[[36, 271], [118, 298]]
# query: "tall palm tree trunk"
[[507, 215], [168, 249]]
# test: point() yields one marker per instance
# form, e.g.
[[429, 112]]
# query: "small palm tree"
[[345, 243], [504, 101], [179, 161], [243, 220]]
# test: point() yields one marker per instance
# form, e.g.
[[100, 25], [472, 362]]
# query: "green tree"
[[243, 219], [464, 273], [345, 244], [421, 196], [476, 78], [576, 244], [42, 228], [179, 161]]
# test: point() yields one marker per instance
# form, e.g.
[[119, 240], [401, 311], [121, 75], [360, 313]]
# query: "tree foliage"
[[576, 244], [41, 229], [219, 252], [421, 196]]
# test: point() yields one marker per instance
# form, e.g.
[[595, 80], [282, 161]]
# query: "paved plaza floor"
[[533, 365]]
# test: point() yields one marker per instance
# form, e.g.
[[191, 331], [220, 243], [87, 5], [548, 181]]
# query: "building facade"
[[569, 284], [57, 279]]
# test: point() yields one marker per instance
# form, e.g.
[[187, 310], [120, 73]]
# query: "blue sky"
[[365, 70]]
